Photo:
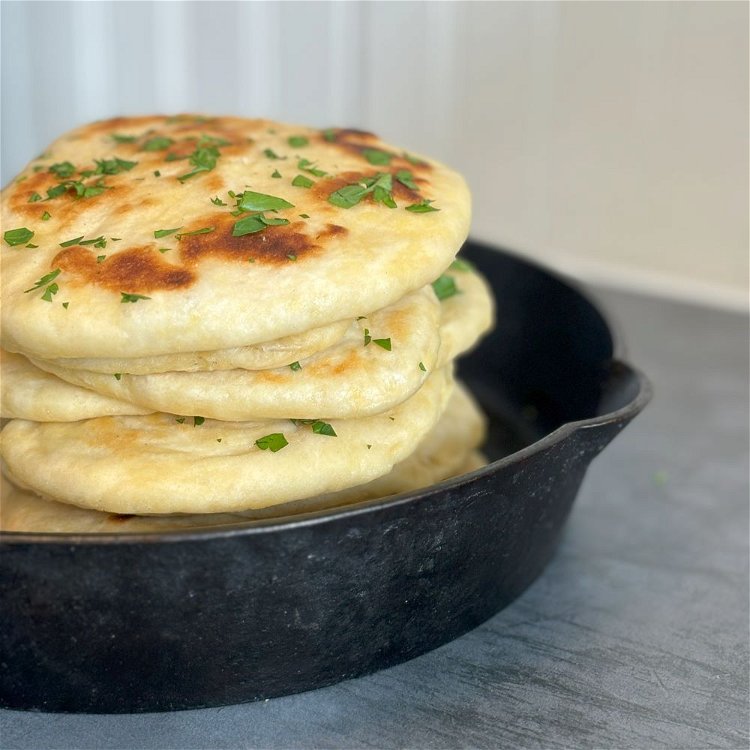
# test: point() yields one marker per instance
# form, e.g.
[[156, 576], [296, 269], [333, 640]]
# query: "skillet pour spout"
[[188, 619]]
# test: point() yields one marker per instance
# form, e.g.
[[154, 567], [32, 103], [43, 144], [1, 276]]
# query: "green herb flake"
[[118, 376], [46, 216], [368, 338], [423, 207], [32, 246], [159, 233], [204, 157], [218, 440], [445, 287], [18, 236], [406, 178], [271, 154], [163, 250], [422, 367], [297, 141], [62, 170], [291, 256], [96, 242], [252, 201], [74, 241], [65, 305], [125, 297], [51, 289], [49, 292], [329, 134], [157, 143], [202, 230], [198, 421], [459, 264], [376, 156], [304, 216], [323, 428], [273, 442], [384, 343], [295, 366], [307, 166], [218, 201], [350, 195], [157, 173], [302, 181], [276, 174], [255, 223], [109, 167], [414, 160], [115, 239], [34, 197], [123, 138], [179, 420]]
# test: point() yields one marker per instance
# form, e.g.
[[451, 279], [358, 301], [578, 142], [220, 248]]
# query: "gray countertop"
[[636, 635]]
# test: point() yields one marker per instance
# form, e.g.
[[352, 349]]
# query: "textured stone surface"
[[635, 636]]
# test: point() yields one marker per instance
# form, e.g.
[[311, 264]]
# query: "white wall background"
[[607, 139]]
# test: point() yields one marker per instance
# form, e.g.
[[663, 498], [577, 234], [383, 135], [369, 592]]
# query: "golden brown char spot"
[[136, 270], [120, 517], [272, 246], [115, 124], [213, 182]]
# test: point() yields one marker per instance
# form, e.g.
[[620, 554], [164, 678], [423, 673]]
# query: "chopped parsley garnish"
[[100, 258], [157, 173], [297, 141], [406, 178], [423, 207], [255, 223], [204, 157], [218, 201], [276, 174], [118, 376], [295, 366], [376, 156], [301, 181], [413, 160], [307, 166], [273, 442], [81, 190], [32, 246], [46, 216], [291, 256], [163, 250], [329, 134], [109, 166], [444, 287], [97, 242], [379, 185], [65, 305], [123, 138], [384, 343], [62, 170], [49, 292], [323, 428], [157, 143], [125, 297], [46, 279], [251, 201], [422, 367], [34, 197], [304, 216], [459, 264], [159, 233], [74, 241], [179, 420], [202, 230], [18, 236], [271, 154], [198, 421], [368, 338]]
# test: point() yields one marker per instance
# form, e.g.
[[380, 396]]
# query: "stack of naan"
[[210, 319]]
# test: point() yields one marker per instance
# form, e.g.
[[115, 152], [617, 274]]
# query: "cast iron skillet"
[[154, 622]]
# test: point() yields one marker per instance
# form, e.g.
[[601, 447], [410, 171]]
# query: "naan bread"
[[350, 379], [95, 199], [153, 464], [26, 392], [263, 356], [446, 451]]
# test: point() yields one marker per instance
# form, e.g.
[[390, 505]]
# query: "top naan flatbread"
[[135, 208]]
